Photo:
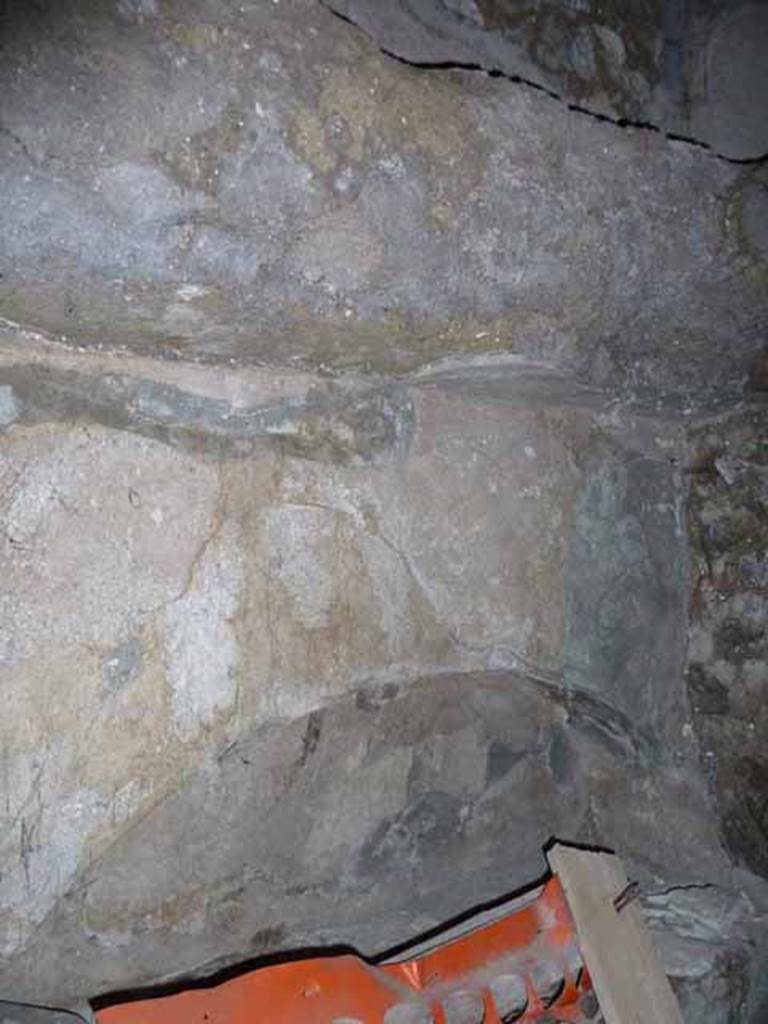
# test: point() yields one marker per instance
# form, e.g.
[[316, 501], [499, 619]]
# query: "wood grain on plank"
[[616, 946]]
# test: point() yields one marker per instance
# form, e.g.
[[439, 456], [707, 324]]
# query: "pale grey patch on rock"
[[123, 664], [704, 913], [51, 841], [300, 540], [25, 1013], [465, 9], [137, 10], [612, 44], [10, 407], [200, 643]]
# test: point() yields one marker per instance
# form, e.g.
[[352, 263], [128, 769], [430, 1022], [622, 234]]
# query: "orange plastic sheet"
[[524, 966]]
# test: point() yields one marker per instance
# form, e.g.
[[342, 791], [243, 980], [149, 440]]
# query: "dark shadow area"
[[589, 847]]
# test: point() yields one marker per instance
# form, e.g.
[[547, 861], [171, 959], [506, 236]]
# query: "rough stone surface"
[[9, 406], [695, 68], [727, 667], [366, 682], [378, 496], [729, 83], [259, 182], [720, 963], [18, 1013], [711, 950], [728, 654]]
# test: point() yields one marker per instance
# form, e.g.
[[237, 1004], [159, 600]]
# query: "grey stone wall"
[[261, 183], [727, 665], [350, 503], [690, 68], [292, 662]]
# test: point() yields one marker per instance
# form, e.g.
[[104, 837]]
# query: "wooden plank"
[[629, 982]]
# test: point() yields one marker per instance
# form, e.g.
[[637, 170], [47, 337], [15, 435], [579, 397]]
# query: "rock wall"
[[259, 182], [691, 68], [727, 674], [295, 662], [352, 485]]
